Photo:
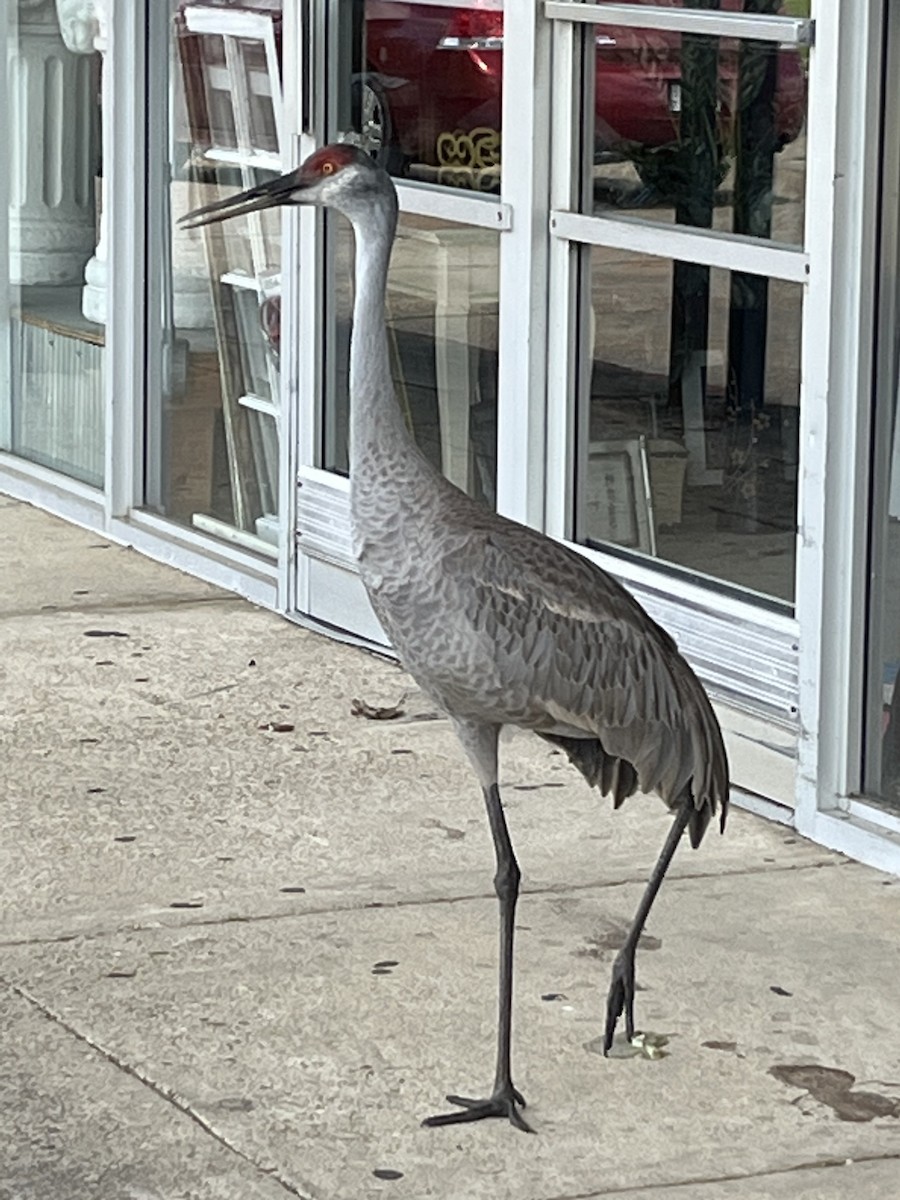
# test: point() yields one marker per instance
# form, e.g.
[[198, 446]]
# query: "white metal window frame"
[[785, 31]]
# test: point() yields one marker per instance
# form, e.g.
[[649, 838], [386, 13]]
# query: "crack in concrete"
[[411, 902], [702, 1180], [164, 1093], [164, 604]]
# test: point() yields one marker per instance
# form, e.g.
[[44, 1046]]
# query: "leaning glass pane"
[[53, 301], [213, 409], [688, 429]]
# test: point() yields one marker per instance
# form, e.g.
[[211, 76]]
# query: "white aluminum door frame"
[[836, 430]]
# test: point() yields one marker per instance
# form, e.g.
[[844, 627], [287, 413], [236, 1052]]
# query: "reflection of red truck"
[[433, 69]]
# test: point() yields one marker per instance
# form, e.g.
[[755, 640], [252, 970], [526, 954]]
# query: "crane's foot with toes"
[[620, 998], [505, 1102]]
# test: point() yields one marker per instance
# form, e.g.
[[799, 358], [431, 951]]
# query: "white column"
[[83, 27], [191, 294], [53, 149]]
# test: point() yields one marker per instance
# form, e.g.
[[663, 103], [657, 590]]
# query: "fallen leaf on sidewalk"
[[360, 708]]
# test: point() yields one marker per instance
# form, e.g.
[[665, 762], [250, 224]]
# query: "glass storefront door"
[[689, 411], [675, 391], [419, 86]]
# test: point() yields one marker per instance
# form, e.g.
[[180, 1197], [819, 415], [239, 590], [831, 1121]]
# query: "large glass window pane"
[[422, 87], [442, 307], [213, 412], [52, 321], [882, 759], [702, 131], [688, 422]]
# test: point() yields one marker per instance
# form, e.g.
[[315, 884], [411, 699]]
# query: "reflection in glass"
[[53, 331], [707, 132], [688, 437], [213, 423], [884, 722], [442, 309], [422, 87]]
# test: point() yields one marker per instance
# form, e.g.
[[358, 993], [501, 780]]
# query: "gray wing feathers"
[[584, 663]]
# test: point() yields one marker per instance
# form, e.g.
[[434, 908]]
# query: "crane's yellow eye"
[[327, 168]]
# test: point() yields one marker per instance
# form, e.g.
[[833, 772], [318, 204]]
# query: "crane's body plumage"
[[497, 623], [500, 625]]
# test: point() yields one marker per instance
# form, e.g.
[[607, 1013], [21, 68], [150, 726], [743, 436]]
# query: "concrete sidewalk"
[[195, 906]]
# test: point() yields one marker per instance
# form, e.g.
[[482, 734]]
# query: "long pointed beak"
[[285, 189]]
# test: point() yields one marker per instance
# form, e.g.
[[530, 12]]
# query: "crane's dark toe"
[[505, 1103], [620, 998]]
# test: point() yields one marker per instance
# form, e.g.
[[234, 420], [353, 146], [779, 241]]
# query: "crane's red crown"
[[329, 160]]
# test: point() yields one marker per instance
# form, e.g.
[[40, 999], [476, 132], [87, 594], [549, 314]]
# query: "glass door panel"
[[881, 735], [688, 409], [688, 424], [702, 131], [442, 325], [414, 65], [883, 781], [675, 393], [425, 84]]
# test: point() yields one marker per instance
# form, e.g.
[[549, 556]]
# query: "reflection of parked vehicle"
[[433, 70], [427, 80]]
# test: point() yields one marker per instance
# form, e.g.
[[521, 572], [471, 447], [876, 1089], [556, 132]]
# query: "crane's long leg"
[[505, 1100], [621, 989]]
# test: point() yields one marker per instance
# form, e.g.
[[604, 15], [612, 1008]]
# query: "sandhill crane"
[[498, 624]]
